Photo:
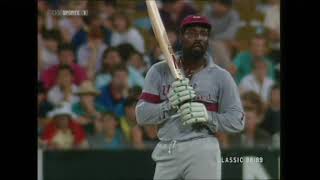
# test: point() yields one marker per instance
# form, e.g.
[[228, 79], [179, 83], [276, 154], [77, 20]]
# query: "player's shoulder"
[[220, 70], [221, 74], [159, 67]]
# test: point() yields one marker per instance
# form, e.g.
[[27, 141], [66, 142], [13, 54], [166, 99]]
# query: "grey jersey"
[[214, 87]]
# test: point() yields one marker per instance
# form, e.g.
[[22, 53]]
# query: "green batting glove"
[[180, 92], [193, 112]]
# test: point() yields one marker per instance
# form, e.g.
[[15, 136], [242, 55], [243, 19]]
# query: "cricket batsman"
[[207, 98]]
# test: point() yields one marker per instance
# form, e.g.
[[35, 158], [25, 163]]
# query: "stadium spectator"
[[272, 22], [66, 29], [150, 137], [113, 95], [107, 9], [125, 50], [66, 57], [110, 137], [271, 122], [132, 132], [128, 121], [63, 132], [258, 81], [244, 61], [111, 59], [224, 140], [173, 11], [137, 138], [123, 32], [137, 63], [252, 101], [225, 21], [223, 18], [80, 35], [50, 21], [173, 39], [64, 90], [49, 50], [252, 136], [73, 27], [155, 55], [90, 54], [87, 109], [95, 21], [43, 107]]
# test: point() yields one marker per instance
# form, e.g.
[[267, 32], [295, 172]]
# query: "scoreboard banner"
[[130, 164]]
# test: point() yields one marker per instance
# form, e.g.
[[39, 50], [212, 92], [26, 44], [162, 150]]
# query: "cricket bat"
[[162, 38]]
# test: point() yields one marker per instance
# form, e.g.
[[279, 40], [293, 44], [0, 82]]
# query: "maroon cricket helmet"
[[195, 20]]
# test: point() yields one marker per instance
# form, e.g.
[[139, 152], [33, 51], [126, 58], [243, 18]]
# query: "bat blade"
[[162, 38]]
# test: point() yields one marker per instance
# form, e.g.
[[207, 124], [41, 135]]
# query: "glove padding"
[[180, 92], [193, 112]]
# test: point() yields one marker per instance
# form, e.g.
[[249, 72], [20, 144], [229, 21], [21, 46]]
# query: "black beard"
[[197, 54], [193, 54]]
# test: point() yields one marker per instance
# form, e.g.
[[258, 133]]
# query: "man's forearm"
[[151, 113], [230, 122]]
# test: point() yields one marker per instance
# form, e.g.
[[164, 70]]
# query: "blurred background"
[[91, 72]]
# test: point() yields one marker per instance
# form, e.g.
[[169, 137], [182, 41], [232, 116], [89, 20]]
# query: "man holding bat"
[[189, 111]]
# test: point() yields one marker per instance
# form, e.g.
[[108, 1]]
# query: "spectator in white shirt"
[[64, 90], [258, 81], [90, 54], [49, 48], [125, 33]]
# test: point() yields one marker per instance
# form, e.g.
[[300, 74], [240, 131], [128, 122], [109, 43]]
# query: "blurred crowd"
[[91, 68]]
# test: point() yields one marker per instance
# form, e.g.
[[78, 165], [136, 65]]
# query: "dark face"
[[65, 78], [112, 59], [62, 121], [109, 124], [258, 47], [87, 99], [120, 24], [66, 57], [120, 79], [136, 61], [51, 44], [195, 41]]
